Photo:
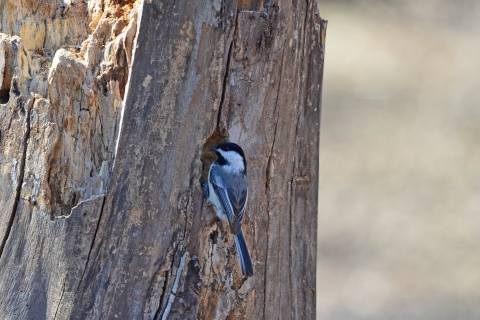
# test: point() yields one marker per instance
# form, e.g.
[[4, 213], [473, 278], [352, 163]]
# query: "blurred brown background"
[[399, 218]]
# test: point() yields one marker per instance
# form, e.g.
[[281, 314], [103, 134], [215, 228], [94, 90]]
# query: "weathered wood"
[[14, 132], [45, 265], [201, 72], [59, 111]]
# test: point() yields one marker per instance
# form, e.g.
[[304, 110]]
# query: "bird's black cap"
[[229, 146]]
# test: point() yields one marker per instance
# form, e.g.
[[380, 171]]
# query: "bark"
[[105, 129]]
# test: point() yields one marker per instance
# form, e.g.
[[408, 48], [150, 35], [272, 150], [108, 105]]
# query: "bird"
[[227, 191]]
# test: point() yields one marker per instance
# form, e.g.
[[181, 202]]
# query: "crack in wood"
[[160, 313], [60, 300], [267, 183], [91, 246], [173, 291], [22, 173], [161, 310], [227, 73], [225, 79], [211, 264]]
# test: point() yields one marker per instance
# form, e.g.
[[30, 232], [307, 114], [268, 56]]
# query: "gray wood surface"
[[249, 72]]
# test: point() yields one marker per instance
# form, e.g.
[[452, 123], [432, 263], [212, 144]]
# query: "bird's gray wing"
[[239, 203], [233, 203]]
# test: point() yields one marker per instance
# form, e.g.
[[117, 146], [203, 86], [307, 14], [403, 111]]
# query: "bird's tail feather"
[[244, 256]]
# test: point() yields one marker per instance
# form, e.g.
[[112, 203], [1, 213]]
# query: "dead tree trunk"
[[104, 135]]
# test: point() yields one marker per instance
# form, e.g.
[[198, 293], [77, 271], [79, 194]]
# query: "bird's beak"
[[213, 149]]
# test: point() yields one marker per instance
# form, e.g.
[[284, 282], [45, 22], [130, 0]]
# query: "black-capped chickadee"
[[228, 192]]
